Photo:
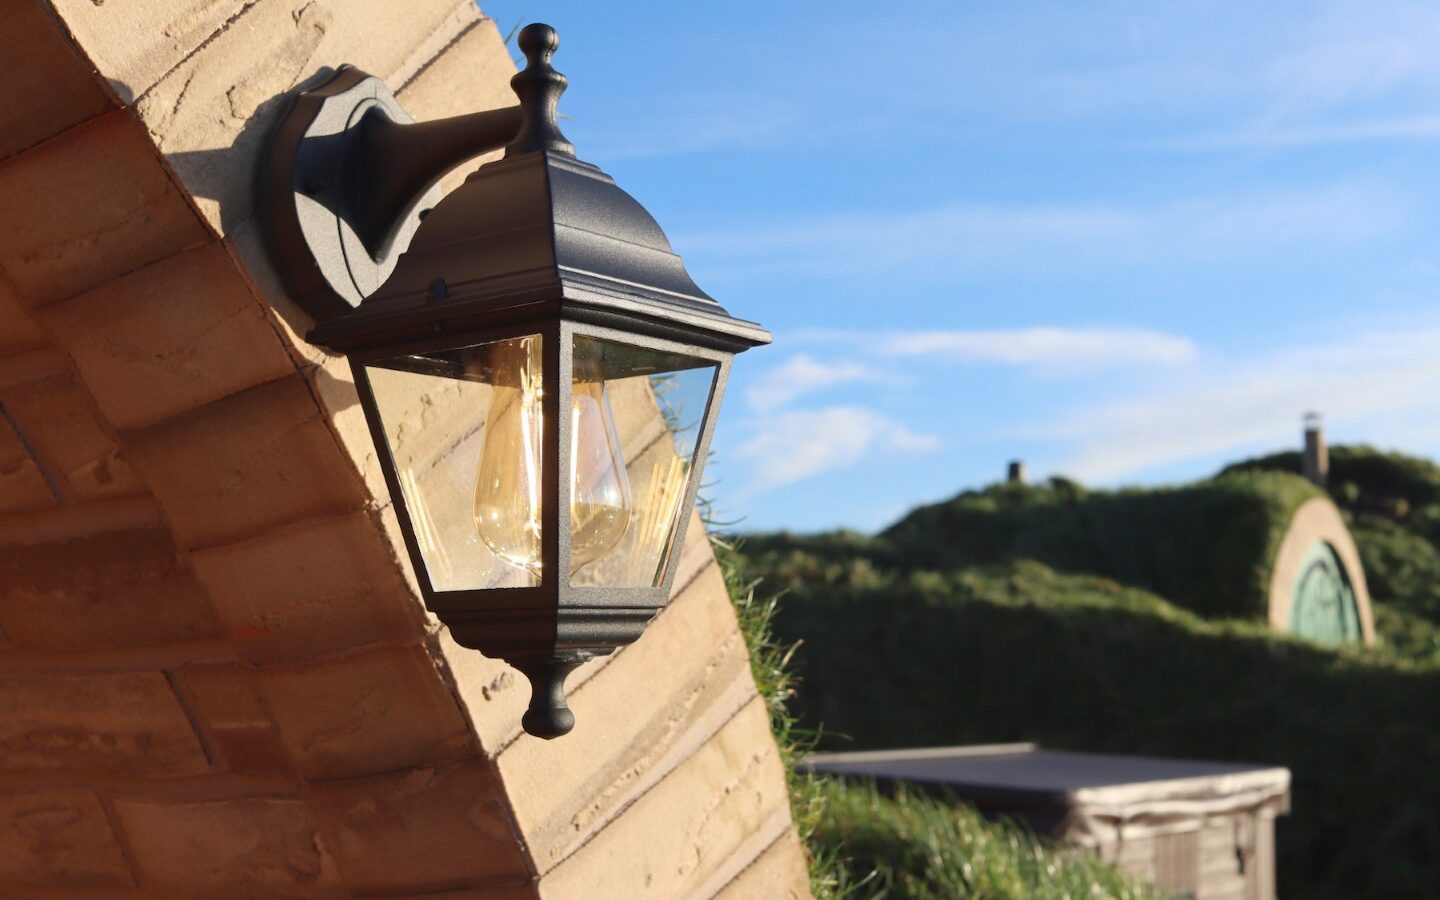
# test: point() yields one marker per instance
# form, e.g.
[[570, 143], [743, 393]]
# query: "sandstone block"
[[318, 588], [127, 723], [494, 694], [782, 872], [369, 712], [67, 523], [429, 828], [18, 329], [237, 467], [676, 838], [236, 721], [250, 847], [97, 203], [58, 421], [35, 364], [136, 42], [696, 555], [472, 74], [59, 838], [47, 87], [22, 485], [334, 387], [167, 338], [75, 616], [639, 717], [520, 890], [213, 110]]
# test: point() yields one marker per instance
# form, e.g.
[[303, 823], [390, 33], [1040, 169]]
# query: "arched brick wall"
[[216, 678]]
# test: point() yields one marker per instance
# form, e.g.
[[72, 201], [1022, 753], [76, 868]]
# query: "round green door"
[[1322, 607]]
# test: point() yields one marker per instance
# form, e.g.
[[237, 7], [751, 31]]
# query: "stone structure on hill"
[[1317, 584], [216, 676]]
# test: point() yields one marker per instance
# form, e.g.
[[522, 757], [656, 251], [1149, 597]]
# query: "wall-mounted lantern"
[[540, 374]]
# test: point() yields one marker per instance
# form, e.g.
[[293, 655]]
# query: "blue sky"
[[1126, 242]]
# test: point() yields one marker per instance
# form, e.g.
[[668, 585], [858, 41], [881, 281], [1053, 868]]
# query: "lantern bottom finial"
[[548, 716]]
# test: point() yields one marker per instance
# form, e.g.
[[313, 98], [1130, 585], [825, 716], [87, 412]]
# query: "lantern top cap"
[[539, 86]]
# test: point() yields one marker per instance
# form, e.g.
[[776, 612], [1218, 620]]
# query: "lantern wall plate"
[[540, 374]]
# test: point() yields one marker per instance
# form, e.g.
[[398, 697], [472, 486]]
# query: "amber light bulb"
[[600, 503], [508, 488]]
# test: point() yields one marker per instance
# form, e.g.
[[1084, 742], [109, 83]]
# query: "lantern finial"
[[539, 87], [549, 716]]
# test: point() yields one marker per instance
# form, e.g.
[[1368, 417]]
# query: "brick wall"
[[216, 678]]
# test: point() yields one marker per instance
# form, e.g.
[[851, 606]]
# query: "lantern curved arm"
[[348, 175], [394, 164]]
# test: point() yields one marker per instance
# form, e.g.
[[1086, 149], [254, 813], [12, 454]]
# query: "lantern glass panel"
[[635, 418], [465, 431]]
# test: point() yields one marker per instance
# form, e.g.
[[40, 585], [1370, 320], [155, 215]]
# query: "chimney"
[[1316, 462], [1016, 473]]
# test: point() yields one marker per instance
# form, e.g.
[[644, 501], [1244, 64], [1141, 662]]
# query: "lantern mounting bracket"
[[347, 178]]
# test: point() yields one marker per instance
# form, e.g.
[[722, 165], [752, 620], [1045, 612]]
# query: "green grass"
[[913, 847]]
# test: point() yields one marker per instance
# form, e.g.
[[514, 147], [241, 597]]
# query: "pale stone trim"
[[1317, 519]]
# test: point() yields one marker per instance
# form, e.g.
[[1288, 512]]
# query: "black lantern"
[[540, 374]]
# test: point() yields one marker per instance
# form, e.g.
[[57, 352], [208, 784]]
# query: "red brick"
[[122, 723], [243, 465], [167, 338], [22, 485], [370, 712], [237, 724], [252, 847], [318, 588], [59, 423], [59, 838], [420, 829], [47, 86], [95, 202]]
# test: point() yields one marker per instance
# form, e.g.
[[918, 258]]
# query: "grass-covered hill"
[[1126, 622]]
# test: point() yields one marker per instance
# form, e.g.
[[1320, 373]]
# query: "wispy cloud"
[[793, 445], [1198, 229], [1048, 347], [1273, 135], [801, 375], [1369, 381]]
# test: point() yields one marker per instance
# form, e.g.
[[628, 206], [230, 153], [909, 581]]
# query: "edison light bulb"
[[599, 488], [508, 487]]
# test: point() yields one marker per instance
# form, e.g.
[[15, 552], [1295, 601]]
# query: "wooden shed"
[[1200, 830]]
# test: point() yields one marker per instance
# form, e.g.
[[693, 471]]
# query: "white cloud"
[[1368, 383], [1195, 229], [1062, 347], [801, 375], [793, 445]]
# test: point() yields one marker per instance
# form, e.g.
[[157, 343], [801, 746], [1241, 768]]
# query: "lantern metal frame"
[[537, 243]]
